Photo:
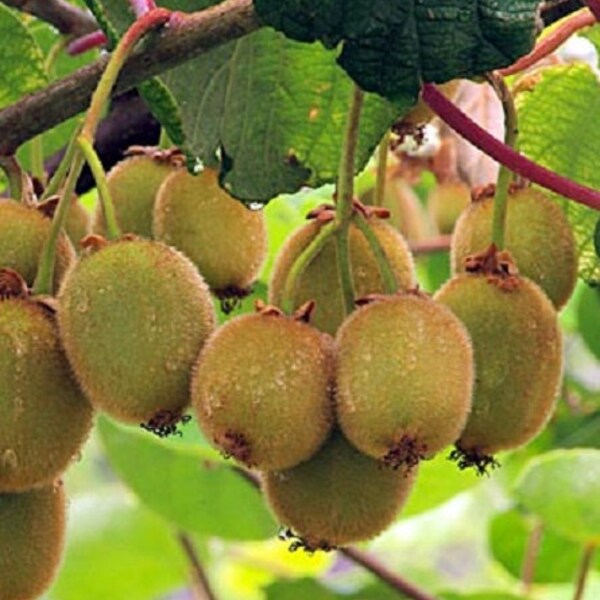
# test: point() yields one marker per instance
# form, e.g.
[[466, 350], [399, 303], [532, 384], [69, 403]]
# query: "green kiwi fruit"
[[133, 184], [23, 233], [262, 389], [32, 531], [226, 240], [133, 316], [338, 497], [404, 378], [446, 202], [518, 360], [320, 280], [537, 234], [44, 417], [78, 223]]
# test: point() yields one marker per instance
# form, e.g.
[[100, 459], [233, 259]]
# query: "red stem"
[[506, 156], [82, 44], [570, 25], [594, 6]]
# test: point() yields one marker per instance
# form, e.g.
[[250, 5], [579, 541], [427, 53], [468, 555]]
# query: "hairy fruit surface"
[[338, 497], [133, 317], [404, 378], [262, 390]]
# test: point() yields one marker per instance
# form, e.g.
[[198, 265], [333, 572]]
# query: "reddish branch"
[[552, 41], [82, 44], [506, 156], [66, 17]]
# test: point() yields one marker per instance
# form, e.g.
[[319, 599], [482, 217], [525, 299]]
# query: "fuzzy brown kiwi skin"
[[44, 417], [262, 389], [23, 233], [404, 378], [320, 280], [32, 532], [538, 236], [133, 316], [518, 361], [338, 497]]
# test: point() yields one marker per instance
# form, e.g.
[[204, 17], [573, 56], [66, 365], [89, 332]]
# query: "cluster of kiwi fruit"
[[335, 410]]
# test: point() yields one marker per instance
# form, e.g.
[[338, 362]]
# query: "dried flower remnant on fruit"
[[165, 423]]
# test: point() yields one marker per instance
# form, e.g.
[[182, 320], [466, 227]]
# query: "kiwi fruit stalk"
[[32, 531], [133, 317], [23, 233], [338, 497], [404, 378], [537, 234], [518, 360], [226, 240], [320, 280], [78, 224], [262, 388], [133, 184], [44, 417]]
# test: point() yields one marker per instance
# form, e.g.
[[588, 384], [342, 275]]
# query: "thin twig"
[[384, 574], [191, 36], [584, 571], [66, 17], [198, 574], [530, 557]]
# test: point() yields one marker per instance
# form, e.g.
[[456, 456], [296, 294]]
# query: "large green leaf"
[[557, 561], [21, 59], [190, 486], [556, 130], [117, 549], [269, 111], [392, 46], [563, 488]]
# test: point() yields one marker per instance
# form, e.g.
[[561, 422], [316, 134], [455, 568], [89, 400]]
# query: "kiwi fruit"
[[133, 316], [32, 531], [404, 378], [226, 240], [537, 234], [446, 202], [262, 388], [23, 233], [320, 280], [518, 360], [78, 223], [133, 184], [44, 417], [338, 497]]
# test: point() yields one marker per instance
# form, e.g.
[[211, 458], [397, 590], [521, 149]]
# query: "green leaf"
[[563, 487], [555, 130], [392, 46], [482, 596], [269, 111], [588, 314], [190, 486], [557, 561], [304, 589], [21, 58], [117, 549]]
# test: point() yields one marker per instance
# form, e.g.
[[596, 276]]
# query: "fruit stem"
[[113, 231], [532, 552], [300, 265], [45, 275], [345, 196], [584, 570], [480, 138], [385, 575], [504, 175], [60, 174], [18, 181], [199, 577], [382, 157], [390, 283]]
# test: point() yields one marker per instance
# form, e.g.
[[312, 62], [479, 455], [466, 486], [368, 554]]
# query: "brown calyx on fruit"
[[231, 297], [93, 242], [324, 213], [297, 542], [235, 445], [406, 453], [12, 285], [473, 458], [49, 206], [172, 156], [269, 310], [497, 265], [165, 423], [370, 298]]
